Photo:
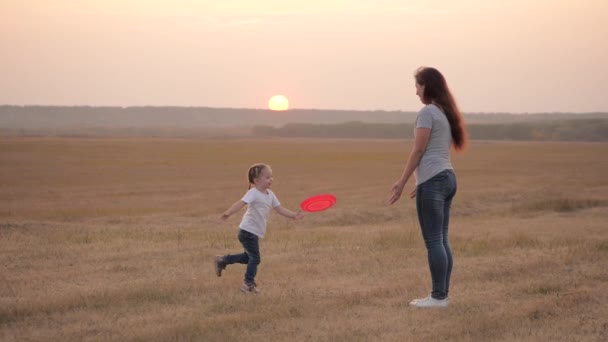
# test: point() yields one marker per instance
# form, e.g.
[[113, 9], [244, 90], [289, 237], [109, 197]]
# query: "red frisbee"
[[318, 203]]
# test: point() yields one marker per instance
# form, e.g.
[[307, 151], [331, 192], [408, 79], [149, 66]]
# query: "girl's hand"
[[413, 193], [225, 216], [299, 215], [396, 192]]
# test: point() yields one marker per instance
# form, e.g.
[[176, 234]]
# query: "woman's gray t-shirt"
[[436, 157]]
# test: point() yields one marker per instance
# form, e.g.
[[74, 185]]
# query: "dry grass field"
[[112, 239]]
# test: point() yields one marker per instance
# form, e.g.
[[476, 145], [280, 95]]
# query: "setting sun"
[[278, 102]]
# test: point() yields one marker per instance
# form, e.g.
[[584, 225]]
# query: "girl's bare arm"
[[233, 209], [288, 213]]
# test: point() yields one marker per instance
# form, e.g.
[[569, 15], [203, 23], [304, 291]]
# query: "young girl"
[[259, 200]]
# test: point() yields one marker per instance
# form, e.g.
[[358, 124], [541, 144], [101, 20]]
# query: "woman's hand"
[[396, 192], [413, 193]]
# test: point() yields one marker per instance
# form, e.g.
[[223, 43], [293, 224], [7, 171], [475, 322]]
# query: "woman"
[[439, 125]]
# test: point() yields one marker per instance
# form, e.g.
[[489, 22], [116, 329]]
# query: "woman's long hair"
[[436, 91]]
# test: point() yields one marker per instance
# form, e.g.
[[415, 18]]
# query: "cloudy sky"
[[498, 56]]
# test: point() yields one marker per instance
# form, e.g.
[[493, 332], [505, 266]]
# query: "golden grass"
[[112, 239]]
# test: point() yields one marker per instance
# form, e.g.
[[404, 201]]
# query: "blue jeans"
[[433, 202], [251, 256]]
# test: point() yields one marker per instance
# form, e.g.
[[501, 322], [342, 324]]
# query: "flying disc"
[[318, 203]]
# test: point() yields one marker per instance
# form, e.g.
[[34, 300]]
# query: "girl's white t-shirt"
[[258, 208]]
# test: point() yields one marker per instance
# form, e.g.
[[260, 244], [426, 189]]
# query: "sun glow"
[[278, 102]]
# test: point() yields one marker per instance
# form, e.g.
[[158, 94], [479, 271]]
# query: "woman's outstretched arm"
[[422, 139]]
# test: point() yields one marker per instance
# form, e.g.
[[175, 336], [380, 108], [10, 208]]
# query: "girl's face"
[[264, 180], [420, 92]]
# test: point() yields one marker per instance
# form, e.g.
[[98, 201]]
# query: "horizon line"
[[295, 109]]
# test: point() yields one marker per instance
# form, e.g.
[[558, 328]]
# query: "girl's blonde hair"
[[255, 171]]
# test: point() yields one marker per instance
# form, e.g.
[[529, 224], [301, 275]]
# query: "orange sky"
[[506, 56]]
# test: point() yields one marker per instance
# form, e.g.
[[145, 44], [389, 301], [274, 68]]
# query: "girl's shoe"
[[430, 302], [220, 265], [249, 288]]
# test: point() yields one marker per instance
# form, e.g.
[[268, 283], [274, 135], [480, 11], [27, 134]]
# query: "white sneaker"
[[413, 301], [430, 302]]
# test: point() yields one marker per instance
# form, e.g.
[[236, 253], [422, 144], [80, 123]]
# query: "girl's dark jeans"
[[251, 256]]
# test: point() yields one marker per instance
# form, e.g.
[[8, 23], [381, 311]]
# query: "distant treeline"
[[564, 130], [208, 122], [62, 117]]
